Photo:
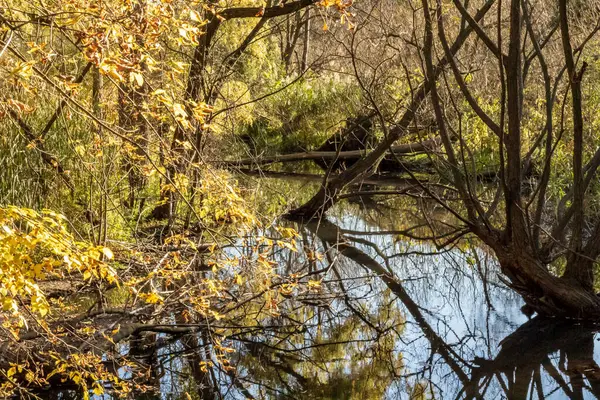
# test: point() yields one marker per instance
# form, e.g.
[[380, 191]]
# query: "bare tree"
[[529, 235]]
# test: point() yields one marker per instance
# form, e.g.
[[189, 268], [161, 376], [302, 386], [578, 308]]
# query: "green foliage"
[[303, 115]]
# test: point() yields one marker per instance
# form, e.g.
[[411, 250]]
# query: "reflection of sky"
[[451, 294], [452, 297]]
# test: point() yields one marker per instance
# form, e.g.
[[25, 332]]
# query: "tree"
[[115, 99], [131, 118], [532, 237]]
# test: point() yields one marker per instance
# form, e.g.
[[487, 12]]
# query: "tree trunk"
[[544, 292], [306, 44]]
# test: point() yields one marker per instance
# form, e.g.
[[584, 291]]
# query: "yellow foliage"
[[83, 369], [220, 201], [152, 298], [33, 246]]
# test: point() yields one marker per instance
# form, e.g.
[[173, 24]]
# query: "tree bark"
[[578, 271]]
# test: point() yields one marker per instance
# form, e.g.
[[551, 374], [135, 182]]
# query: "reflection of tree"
[[345, 349], [342, 358], [525, 356], [330, 233], [342, 342], [527, 353]]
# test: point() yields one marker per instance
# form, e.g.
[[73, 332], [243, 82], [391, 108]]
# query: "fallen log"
[[378, 180], [375, 179], [396, 150]]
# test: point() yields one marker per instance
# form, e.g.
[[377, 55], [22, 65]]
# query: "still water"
[[440, 324]]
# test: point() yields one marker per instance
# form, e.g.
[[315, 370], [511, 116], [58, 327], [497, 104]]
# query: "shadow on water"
[[395, 320]]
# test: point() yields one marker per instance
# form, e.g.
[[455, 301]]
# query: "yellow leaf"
[[314, 285], [98, 389], [195, 16], [108, 253], [37, 271], [152, 298], [179, 111], [23, 70], [42, 309], [137, 78]]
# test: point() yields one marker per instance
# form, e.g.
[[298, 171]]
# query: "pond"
[[394, 319]]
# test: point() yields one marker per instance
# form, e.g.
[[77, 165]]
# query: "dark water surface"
[[441, 325]]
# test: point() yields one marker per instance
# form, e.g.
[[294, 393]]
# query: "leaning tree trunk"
[[542, 291]]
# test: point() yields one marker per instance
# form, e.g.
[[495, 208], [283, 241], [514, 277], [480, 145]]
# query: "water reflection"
[[465, 344], [393, 319], [541, 358]]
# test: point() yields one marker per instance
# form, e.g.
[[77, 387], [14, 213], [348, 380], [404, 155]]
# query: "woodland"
[[244, 199]]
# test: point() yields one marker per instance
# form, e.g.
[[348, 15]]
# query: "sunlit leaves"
[[195, 16], [111, 69], [107, 253], [188, 34], [87, 371], [221, 203], [34, 245], [136, 78], [23, 70], [151, 298]]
